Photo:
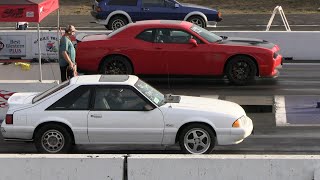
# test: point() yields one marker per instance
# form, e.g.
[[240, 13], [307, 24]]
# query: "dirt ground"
[[83, 7]]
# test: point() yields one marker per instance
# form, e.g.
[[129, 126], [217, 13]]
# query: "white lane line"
[[280, 111]]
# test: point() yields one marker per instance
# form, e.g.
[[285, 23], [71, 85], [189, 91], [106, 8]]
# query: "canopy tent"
[[28, 11]]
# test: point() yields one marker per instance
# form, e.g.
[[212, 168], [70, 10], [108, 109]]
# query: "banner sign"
[[48, 44], [13, 46]]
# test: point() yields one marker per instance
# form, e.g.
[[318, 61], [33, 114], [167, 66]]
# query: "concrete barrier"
[[61, 167], [222, 167]]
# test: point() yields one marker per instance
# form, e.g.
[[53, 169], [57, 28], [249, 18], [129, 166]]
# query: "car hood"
[[209, 105], [247, 42], [196, 6]]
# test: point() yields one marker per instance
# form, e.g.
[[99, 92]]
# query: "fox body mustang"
[[121, 109]]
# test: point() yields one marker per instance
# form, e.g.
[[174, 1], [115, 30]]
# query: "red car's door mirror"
[[194, 42]]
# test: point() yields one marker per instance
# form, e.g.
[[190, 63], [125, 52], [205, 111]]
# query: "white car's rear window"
[[50, 91]]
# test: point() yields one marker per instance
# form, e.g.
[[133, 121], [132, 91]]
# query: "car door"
[[181, 56], [118, 117], [129, 6], [159, 9], [147, 58], [73, 108]]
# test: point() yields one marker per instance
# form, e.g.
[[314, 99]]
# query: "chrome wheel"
[[52, 141], [197, 141], [118, 23]]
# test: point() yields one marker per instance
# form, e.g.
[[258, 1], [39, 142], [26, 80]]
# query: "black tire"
[[117, 22], [63, 143], [116, 65], [241, 70], [208, 139], [197, 20]]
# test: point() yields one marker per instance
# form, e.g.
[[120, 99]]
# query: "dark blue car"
[[117, 13]]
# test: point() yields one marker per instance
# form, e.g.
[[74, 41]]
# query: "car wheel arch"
[[237, 55], [119, 13], [194, 122], [196, 13], [111, 55], [67, 127]]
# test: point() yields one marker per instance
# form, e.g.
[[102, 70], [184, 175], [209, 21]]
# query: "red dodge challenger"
[[162, 47]]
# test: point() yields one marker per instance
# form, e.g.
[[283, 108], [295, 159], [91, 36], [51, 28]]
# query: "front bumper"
[[212, 24], [236, 135]]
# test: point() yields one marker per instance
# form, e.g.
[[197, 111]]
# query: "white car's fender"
[[196, 13], [53, 119], [170, 133]]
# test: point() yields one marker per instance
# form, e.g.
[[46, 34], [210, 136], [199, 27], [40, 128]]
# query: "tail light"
[[219, 14], [9, 119], [98, 9]]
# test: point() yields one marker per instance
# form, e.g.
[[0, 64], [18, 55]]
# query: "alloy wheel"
[[241, 70], [118, 23], [52, 141], [197, 141], [197, 21], [115, 67]]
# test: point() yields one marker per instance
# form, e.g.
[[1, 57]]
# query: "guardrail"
[[295, 45]]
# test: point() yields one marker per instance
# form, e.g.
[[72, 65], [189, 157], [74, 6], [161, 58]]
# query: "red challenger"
[[162, 47]]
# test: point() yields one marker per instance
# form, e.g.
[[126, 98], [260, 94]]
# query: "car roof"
[[163, 23], [105, 79]]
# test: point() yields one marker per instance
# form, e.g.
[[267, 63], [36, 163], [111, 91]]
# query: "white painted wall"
[[223, 167], [61, 167], [300, 45]]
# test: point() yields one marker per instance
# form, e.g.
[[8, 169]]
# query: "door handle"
[[145, 9], [96, 115], [158, 48]]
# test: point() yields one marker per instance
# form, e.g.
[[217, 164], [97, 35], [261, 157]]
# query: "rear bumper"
[[94, 14], [15, 133]]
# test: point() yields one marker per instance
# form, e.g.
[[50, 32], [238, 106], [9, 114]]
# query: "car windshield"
[[50, 91], [150, 92], [209, 36]]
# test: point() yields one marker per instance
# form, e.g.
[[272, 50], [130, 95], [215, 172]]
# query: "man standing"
[[67, 58]]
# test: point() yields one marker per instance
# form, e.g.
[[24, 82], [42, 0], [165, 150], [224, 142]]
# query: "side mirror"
[[176, 5], [194, 42], [147, 107]]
